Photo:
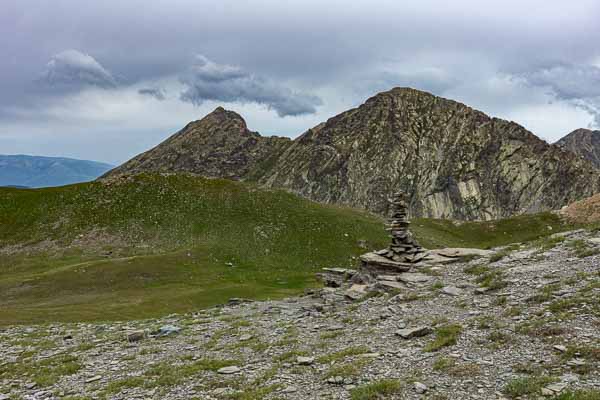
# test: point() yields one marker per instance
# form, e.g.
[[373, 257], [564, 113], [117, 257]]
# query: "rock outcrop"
[[583, 142], [451, 160]]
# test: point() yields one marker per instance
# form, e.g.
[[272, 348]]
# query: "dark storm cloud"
[[207, 80], [157, 93]]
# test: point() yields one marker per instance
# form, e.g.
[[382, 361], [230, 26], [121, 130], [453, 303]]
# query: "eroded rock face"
[[583, 142], [451, 160]]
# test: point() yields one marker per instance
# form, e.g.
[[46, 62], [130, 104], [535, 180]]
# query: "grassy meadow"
[[151, 245]]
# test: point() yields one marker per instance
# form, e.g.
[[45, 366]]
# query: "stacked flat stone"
[[404, 247]]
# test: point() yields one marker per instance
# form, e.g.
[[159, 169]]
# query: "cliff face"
[[453, 161], [583, 142]]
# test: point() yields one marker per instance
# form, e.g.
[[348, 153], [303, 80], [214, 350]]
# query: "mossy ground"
[[152, 245]]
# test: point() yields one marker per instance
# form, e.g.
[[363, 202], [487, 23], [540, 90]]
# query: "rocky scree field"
[[522, 323]]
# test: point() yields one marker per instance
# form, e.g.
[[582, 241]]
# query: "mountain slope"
[[453, 161], [220, 145], [583, 142], [153, 244], [36, 171]]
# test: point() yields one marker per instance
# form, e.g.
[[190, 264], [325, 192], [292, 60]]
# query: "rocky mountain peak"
[[219, 121], [583, 142], [452, 161]]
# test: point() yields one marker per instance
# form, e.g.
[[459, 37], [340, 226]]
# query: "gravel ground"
[[523, 322]]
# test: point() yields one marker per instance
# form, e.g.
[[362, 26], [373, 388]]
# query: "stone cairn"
[[403, 253], [404, 247]]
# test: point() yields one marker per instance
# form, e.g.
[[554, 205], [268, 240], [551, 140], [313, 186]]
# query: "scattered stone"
[[409, 333], [4, 397], [376, 264], [413, 278], [229, 370], [322, 317], [336, 380], [392, 278], [420, 388], [136, 336], [93, 379], [305, 360], [458, 252], [451, 290], [387, 285], [167, 330]]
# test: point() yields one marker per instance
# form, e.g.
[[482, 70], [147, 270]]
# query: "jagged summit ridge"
[[583, 142], [452, 161]]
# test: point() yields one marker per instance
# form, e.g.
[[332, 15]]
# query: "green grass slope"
[[150, 245]]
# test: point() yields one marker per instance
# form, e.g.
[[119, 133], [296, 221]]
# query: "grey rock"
[[93, 379], [229, 370], [167, 330], [414, 277], [136, 336], [305, 360], [409, 333], [451, 290], [420, 387]]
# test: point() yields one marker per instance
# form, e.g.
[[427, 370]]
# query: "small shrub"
[[526, 386], [377, 390], [445, 335]]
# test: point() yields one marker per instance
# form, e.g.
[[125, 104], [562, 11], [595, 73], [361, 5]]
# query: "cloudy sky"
[[107, 80]]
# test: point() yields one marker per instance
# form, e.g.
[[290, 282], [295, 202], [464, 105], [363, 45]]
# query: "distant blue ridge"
[[37, 171]]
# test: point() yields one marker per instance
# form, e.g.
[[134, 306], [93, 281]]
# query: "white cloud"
[[73, 68]]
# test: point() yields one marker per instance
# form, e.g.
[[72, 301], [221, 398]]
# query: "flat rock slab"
[[390, 285], [354, 295], [376, 263], [94, 379], [409, 333], [387, 277], [229, 370], [436, 259], [451, 290], [305, 360], [413, 277], [457, 252]]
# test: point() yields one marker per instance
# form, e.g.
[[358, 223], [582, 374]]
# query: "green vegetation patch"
[[445, 335], [45, 372], [592, 394], [377, 390], [173, 243], [526, 386]]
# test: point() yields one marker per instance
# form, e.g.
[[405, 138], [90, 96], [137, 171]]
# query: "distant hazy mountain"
[[34, 171], [583, 142]]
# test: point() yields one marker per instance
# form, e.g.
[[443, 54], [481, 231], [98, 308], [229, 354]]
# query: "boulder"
[[409, 333]]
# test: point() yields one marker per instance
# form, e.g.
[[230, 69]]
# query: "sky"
[[107, 80]]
